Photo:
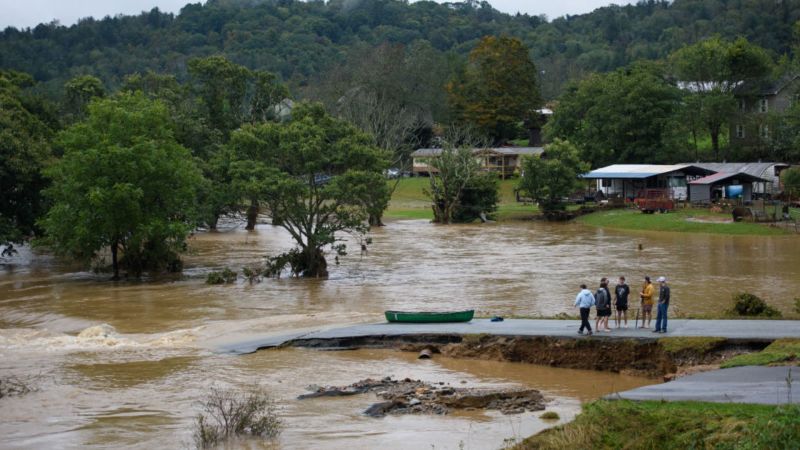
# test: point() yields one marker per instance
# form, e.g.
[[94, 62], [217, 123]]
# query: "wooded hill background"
[[310, 43]]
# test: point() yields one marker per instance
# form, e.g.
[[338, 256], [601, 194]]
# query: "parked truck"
[[651, 200]]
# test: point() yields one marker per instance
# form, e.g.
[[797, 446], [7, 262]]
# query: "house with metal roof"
[[502, 160], [733, 185], [768, 172], [627, 180]]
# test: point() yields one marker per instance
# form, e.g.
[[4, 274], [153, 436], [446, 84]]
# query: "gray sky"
[[29, 13]]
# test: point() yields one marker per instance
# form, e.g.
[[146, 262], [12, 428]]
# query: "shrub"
[[228, 413], [747, 304], [226, 276], [797, 305], [550, 415]]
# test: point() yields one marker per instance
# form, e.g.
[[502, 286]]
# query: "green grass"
[[676, 221], [781, 350], [410, 202], [612, 424], [700, 345]]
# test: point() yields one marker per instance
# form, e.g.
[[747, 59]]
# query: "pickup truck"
[[652, 200]]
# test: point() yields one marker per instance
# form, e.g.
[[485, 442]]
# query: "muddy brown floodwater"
[[124, 364]]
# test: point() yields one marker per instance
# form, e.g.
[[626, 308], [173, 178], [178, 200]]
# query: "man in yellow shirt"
[[647, 302]]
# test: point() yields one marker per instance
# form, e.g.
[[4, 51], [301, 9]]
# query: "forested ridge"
[[303, 41]]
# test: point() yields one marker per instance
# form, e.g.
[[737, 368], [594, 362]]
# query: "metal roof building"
[[626, 180], [769, 172]]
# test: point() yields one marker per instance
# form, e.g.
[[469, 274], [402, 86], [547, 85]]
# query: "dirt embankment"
[[657, 357]]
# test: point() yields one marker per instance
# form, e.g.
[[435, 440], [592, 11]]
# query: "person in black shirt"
[[603, 305], [621, 292]]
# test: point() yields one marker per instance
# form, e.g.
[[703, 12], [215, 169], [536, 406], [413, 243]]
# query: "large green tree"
[[711, 70], [316, 174], [497, 89], [24, 151], [555, 174], [626, 116], [124, 184]]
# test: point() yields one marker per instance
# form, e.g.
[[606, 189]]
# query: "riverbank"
[[674, 425], [683, 220]]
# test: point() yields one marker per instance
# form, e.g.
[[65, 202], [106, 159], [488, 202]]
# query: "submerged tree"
[[123, 184], [316, 174], [550, 177]]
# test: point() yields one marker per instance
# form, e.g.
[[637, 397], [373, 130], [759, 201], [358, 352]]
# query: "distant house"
[[754, 104], [768, 174], [502, 160], [627, 180]]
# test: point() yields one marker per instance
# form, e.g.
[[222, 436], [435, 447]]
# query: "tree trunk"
[[114, 262], [715, 143], [214, 221], [252, 215], [316, 265], [375, 220]]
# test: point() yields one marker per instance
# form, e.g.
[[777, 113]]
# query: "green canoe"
[[429, 317]]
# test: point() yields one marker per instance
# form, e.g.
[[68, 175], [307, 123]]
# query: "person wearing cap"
[[647, 302], [621, 292], [663, 304]]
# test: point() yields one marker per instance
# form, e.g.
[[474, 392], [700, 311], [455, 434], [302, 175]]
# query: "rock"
[[425, 354], [380, 409], [414, 402]]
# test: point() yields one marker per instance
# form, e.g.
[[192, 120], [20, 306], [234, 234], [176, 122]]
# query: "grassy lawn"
[[674, 425], [681, 220], [780, 351], [409, 201]]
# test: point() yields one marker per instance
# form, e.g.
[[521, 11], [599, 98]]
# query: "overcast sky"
[[29, 13]]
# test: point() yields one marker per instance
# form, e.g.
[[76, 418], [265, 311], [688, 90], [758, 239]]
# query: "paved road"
[[732, 329], [765, 385]]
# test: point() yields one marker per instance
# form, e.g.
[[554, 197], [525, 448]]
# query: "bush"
[[231, 413], [550, 415], [227, 276], [480, 195], [747, 304], [797, 305]]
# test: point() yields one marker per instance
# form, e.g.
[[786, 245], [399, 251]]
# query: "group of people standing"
[[602, 301]]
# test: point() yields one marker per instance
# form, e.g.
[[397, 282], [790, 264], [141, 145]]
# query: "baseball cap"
[[661, 279]]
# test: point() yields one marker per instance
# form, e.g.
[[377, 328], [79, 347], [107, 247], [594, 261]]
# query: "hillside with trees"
[[303, 42]]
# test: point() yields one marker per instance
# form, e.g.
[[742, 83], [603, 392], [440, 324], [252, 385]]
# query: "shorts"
[[604, 312], [647, 308], [622, 306]]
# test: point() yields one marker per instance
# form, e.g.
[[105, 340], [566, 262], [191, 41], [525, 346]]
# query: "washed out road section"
[[732, 329]]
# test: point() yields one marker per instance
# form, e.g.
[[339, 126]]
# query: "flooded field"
[[124, 364]]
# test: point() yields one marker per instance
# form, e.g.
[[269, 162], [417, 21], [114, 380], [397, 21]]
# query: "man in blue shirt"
[[584, 301], [663, 304]]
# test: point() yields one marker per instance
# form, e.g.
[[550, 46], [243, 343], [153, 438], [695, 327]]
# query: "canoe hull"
[[429, 317]]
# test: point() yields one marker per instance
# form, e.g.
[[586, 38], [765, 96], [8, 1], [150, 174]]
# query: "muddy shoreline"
[[650, 357]]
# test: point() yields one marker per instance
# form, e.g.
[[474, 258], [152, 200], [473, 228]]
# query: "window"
[[763, 131], [607, 183], [742, 105], [763, 105], [740, 131]]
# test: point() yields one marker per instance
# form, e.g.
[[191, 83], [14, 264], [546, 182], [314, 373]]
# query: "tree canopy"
[[625, 116], [498, 89], [24, 151], [123, 184], [316, 174], [550, 177]]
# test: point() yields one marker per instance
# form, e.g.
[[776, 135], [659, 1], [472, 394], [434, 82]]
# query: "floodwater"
[[125, 364]]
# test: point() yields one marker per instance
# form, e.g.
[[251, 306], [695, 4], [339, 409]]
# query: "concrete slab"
[[750, 384], [731, 329]]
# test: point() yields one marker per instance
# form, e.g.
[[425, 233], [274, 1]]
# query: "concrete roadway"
[[731, 329], [750, 384]]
